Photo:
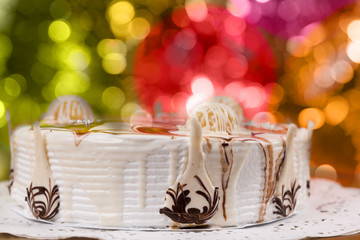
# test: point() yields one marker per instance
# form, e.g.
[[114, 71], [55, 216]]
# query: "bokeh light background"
[[282, 60]]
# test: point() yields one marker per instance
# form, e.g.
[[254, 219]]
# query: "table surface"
[[333, 213]]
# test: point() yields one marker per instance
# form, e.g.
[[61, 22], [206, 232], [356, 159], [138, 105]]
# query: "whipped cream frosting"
[[118, 175]]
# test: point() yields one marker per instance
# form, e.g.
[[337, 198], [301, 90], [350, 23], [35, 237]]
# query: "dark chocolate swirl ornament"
[[43, 202], [179, 213]]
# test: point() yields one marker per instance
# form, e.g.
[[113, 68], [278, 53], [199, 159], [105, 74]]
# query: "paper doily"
[[333, 210]]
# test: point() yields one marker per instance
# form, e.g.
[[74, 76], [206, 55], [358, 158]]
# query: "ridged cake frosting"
[[215, 170]]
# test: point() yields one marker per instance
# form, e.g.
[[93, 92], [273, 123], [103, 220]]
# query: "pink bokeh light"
[[184, 62], [288, 17]]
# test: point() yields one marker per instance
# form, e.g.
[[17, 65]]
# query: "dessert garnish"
[[192, 199], [68, 109]]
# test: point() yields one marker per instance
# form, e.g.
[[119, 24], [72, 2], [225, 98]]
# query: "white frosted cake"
[[213, 171]]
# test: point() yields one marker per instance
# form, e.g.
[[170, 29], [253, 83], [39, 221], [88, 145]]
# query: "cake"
[[215, 170]]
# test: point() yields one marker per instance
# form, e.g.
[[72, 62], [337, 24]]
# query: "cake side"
[[120, 180]]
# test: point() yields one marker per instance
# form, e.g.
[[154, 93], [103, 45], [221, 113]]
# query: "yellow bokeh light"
[[121, 12], [128, 109], [336, 110], [5, 46], [326, 171], [196, 10], [157, 7], [2, 109], [293, 46], [59, 31], [353, 30], [113, 98], [107, 46], [353, 51], [263, 117], [314, 114], [12, 87], [114, 63], [139, 28], [354, 98], [67, 82], [79, 59]]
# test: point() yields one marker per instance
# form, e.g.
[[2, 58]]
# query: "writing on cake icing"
[[180, 198], [43, 203]]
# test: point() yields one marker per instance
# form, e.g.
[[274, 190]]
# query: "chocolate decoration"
[[226, 164], [308, 187], [287, 200], [40, 209], [180, 214], [11, 180]]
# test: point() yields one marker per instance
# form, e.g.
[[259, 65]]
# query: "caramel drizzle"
[[208, 145], [270, 177], [79, 136], [226, 163]]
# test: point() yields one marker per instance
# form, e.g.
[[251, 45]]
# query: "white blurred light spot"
[[353, 51], [263, 117], [140, 117], [239, 8], [324, 76], [353, 30], [193, 101], [252, 97], [202, 85]]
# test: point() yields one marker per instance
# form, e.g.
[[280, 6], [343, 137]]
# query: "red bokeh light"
[[221, 50]]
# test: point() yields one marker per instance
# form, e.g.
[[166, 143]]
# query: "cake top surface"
[[221, 117]]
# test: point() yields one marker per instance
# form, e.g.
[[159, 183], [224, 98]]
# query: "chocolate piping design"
[[180, 198], [44, 210], [226, 163], [308, 187], [11, 180], [270, 177], [286, 204]]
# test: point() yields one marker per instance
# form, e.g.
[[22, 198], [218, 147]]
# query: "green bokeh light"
[[5, 46], [113, 98], [12, 87], [59, 31], [2, 109]]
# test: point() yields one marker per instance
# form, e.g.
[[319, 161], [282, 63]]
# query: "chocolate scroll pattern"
[[43, 203], [180, 198], [285, 204]]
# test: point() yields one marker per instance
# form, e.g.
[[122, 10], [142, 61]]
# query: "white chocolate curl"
[[68, 108], [215, 117], [230, 102]]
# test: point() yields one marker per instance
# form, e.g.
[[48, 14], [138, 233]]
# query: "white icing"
[[287, 174], [108, 165], [195, 169], [173, 164], [142, 182], [41, 173]]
